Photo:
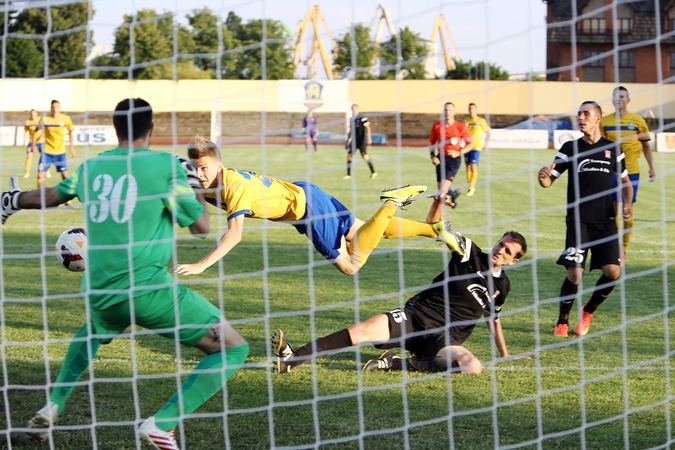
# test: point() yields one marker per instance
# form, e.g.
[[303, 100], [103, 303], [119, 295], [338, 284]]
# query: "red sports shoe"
[[585, 323], [561, 330]]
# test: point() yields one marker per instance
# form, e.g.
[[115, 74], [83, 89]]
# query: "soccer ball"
[[71, 248]]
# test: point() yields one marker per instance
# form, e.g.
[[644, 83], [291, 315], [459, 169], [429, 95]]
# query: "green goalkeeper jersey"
[[131, 200]]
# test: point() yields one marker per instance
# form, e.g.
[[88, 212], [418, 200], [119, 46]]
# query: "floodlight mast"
[[317, 46], [382, 18], [441, 27]]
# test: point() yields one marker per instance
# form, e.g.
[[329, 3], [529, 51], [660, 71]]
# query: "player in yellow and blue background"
[[480, 136], [631, 131], [32, 138], [54, 127]]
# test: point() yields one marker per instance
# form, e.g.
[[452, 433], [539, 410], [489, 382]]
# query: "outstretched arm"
[[546, 177], [235, 230], [495, 327], [647, 150]]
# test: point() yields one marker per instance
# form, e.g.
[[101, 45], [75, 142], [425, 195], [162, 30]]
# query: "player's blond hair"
[[200, 147]]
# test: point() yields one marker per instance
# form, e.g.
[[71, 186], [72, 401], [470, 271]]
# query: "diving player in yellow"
[[54, 127], [325, 221], [632, 132], [32, 139], [478, 128]]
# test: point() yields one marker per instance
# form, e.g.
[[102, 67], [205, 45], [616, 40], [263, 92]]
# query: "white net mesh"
[[207, 72]]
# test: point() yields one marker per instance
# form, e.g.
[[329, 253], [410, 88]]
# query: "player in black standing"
[[358, 138], [473, 285], [592, 162]]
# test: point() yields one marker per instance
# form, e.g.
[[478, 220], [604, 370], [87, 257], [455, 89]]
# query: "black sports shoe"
[[282, 350], [454, 195], [384, 362]]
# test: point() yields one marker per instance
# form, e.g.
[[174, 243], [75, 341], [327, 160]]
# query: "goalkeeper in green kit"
[[132, 197]]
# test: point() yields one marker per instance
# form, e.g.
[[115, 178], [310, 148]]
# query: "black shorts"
[[601, 239], [362, 147], [450, 168], [423, 334]]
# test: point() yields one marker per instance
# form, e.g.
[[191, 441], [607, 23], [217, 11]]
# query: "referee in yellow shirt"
[[478, 128], [54, 128], [632, 132]]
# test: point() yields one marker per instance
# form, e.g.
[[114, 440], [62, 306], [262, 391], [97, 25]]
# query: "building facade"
[[610, 41]]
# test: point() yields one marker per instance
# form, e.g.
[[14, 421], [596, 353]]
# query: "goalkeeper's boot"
[[43, 419], [402, 196], [158, 438], [384, 362], [562, 330], [282, 350], [450, 237], [585, 322]]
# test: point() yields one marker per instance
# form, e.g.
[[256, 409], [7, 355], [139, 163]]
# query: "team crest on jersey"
[[608, 154], [313, 91], [632, 126]]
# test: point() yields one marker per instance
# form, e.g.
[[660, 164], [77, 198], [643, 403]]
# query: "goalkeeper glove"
[[191, 171], [10, 199]]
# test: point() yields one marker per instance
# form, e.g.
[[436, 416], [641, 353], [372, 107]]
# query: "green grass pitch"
[[612, 389]]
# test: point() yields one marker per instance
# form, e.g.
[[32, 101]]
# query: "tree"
[[204, 29], [153, 49], [365, 54], [413, 56], [248, 63], [23, 60], [470, 71], [66, 53]]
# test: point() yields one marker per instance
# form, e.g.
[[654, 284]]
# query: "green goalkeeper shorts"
[[157, 311]]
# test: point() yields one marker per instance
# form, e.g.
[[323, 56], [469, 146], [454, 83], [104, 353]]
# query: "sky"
[[509, 33]]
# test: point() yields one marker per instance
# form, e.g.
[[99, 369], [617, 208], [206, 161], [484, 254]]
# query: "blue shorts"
[[47, 159], [325, 221], [634, 180], [472, 157], [29, 147]]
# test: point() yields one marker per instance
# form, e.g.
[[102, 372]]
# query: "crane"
[[441, 27], [382, 18], [317, 46]]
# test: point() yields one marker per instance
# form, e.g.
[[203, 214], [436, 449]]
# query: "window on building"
[[670, 20], [623, 26], [627, 66], [593, 26], [672, 63], [594, 65]]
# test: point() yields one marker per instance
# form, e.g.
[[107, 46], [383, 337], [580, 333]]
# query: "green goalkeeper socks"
[[74, 365], [202, 383]]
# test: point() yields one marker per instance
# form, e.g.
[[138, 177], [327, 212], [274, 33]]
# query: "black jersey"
[[358, 124], [471, 289], [594, 166]]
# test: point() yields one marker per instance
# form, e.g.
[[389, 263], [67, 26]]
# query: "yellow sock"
[[29, 159], [398, 228], [472, 181], [371, 232], [628, 232]]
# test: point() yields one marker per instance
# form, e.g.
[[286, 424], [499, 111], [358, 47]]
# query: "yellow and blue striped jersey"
[[477, 128], [55, 133], [258, 196], [34, 131], [630, 130]]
